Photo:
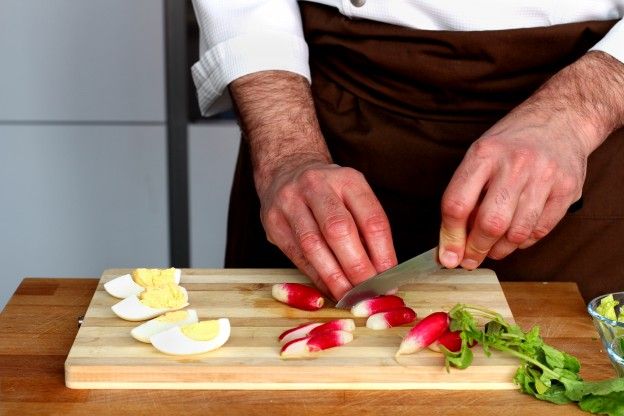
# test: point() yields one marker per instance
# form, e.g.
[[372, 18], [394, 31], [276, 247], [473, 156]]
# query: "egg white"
[[174, 342], [124, 286], [144, 331], [132, 309]]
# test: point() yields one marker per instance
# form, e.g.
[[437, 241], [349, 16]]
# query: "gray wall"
[[82, 143]]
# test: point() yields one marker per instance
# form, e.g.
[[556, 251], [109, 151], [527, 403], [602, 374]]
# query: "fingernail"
[[470, 264], [449, 259]]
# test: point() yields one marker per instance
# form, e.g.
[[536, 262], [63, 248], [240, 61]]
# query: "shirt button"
[[358, 3]]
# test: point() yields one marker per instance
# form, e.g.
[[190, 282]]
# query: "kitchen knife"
[[407, 272]]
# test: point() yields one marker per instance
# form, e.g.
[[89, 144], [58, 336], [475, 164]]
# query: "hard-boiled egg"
[[151, 303], [196, 338], [169, 320], [132, 284]]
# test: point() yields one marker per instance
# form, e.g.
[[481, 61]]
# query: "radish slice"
[[298, 296], [388, 319], [300, 331], [316, 328], [305, 347], [377, 304], [424, 333]]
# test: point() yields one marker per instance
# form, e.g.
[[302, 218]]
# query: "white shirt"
[[239, 37]]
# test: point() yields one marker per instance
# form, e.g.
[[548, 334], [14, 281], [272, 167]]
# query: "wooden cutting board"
[[104, 355]]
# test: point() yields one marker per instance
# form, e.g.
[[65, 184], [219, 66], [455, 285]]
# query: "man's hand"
[[517, 181], [324, 217]]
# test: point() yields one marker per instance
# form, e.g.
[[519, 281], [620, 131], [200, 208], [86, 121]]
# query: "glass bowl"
[[611, 332]]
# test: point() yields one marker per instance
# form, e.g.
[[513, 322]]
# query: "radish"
[[393, 317], [424, 333], [305, 347], [449, 340], [377, 304], [316, 328], [298, 296]]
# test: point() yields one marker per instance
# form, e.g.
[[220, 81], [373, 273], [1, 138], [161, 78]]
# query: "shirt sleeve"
[[613, 42], [239, 37]]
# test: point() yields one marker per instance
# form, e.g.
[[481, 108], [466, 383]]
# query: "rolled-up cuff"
[[242, 55], [613, 42]]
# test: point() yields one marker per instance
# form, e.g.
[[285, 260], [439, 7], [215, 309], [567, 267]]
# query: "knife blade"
[[407, 272]]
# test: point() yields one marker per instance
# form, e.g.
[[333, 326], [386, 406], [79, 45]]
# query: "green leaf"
[[461, 359], [607, 307], [611, 404], [576, 390], [555, 394]]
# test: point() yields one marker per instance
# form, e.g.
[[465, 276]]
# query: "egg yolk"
[[202, 331], [173, 316], [170, 296], [153, 277]]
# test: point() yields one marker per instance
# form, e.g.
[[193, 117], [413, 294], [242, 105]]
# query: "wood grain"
[[34, 346], [105, 356]]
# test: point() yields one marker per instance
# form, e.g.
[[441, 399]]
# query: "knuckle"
[[450, 237], [353, 174], [519, 233], [271, 218], [337, 227], [569, 185], [549, 172], [455, 208], [541, 231], [311, 178], [479, 251], [494, 225], [333, 278], [286, 194], [483, 148], [357, 268], [310, 242], [377, 224], [523, 156]]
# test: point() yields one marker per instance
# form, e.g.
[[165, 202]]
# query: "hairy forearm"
[[277, 116], [588, 94]]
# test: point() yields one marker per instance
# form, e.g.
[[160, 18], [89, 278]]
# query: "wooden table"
[[39, 324]]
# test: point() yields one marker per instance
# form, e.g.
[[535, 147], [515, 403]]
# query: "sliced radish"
[[424, 333], [449, 340], [298, 296], [388, 319], [377, 304], [300, 331], [305, 347], [316, 328]]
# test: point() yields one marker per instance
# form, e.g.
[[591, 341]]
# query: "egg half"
[[151, 303], [164, 322], [132, 284], [196, 338]]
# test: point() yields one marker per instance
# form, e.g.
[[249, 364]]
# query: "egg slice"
[[196, 338], [132, 284], [151, 303], [169, 320]]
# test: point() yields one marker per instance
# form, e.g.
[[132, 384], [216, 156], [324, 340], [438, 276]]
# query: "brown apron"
[[402, 106]]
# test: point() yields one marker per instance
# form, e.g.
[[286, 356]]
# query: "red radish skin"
[[306, 347], [300, 331], [449, 340], [298, 296], [316, 328], [424, 333], [388, 319], [377, 304]]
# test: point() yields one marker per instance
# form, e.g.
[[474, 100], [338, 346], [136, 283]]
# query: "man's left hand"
[[517, 181]]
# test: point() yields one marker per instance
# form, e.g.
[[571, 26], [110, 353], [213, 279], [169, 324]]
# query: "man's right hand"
[[324, 217], [327, 220]]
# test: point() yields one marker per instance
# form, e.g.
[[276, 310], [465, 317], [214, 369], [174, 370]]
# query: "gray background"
[[83, 139]]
